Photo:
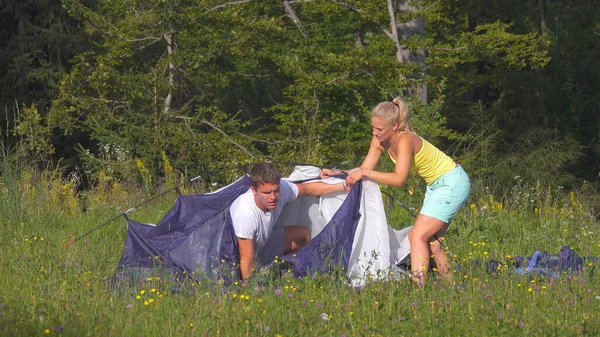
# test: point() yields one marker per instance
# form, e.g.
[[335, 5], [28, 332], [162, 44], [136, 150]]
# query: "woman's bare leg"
[[420, 235], [440, 258]]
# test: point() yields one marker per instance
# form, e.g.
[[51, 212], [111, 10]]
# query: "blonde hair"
[[392, 112]]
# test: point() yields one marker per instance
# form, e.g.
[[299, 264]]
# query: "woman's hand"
[[354, 176]]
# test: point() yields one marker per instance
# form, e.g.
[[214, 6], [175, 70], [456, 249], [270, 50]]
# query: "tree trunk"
[[405, 30], [542, 18], [171, 51], [400, 54]]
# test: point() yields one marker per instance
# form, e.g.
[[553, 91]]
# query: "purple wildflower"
[[277, 291], [267, 328], [129, 306]]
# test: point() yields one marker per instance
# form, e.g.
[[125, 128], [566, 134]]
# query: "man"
[[255, 212]]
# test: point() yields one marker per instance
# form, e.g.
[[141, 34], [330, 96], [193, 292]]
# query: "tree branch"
[[227, 4], [338, 78], [269, 142], [153, 38], [185, 120], [292, 14], [354, 8], [386, 31], [228, 138]]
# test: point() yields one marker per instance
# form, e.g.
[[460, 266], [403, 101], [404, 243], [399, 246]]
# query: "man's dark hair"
[[263, 173]]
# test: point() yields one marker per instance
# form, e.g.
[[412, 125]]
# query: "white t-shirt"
[[250, 222]]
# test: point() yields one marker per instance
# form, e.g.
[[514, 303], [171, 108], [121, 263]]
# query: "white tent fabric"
[[377, 248]]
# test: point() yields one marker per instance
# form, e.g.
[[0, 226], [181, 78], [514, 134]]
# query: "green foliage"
[[32, 195], [33, 135], [215, 83], [537, 155], [39, 40], [518, 63]]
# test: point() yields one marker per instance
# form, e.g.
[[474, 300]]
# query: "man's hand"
[[328, 173]]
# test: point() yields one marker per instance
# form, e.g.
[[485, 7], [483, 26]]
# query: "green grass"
[[49, 289]]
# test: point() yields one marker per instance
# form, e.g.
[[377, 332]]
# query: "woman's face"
[[381, 129]]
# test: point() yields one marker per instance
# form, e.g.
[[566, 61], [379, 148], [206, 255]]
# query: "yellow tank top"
[[430, 163]]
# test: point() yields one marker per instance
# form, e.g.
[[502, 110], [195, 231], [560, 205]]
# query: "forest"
[[508, 88]]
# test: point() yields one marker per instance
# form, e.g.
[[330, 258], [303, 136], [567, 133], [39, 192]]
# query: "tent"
[[196, 237]]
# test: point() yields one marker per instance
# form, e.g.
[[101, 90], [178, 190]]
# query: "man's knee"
[[296, 237], [303, 236]]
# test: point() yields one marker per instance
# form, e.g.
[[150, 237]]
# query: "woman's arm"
[[370, 161], [396, 178], [372, 158]]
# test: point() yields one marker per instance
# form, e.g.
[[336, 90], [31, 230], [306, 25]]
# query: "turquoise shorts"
[[446, 195]]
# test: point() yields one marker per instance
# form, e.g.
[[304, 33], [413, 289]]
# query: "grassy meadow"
[[49, 289]]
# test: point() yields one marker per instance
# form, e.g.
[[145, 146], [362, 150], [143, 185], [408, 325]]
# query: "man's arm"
[[319, 188], [246, 250]]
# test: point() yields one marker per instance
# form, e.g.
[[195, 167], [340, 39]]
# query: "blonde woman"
[[448, 186]]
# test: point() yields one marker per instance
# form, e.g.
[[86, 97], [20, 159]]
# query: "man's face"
[[266, 196]]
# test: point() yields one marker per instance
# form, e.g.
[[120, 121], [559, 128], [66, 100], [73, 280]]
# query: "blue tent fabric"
[[197, 238], [551, 265], [333, 245], [541, 263]]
